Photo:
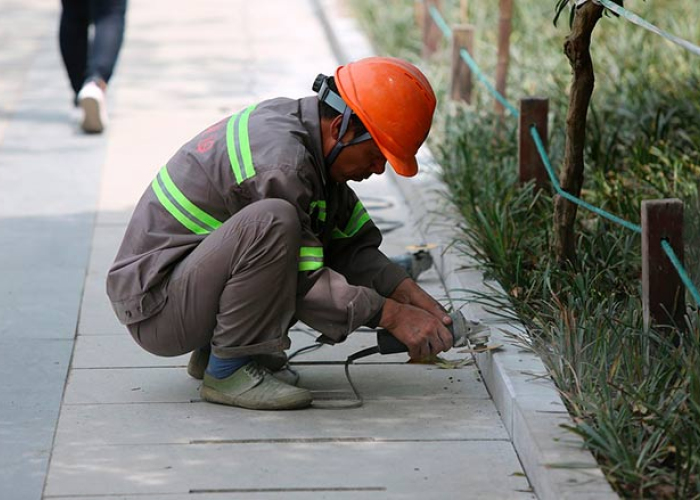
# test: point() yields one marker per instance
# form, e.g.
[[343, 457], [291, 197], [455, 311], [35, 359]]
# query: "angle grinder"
[[464, 332]]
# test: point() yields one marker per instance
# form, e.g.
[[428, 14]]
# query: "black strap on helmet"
[[325, 94]]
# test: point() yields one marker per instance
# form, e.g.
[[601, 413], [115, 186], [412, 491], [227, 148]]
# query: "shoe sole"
[[92, 121], [291, 403]]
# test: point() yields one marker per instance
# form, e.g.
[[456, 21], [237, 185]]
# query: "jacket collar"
[[311, 121]]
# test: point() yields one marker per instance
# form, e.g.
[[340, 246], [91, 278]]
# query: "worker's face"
[[358, 162]]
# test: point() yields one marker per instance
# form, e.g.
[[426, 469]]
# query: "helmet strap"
[[339, 145]]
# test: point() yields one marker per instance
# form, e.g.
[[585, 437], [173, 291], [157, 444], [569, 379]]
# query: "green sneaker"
[[254, 387]]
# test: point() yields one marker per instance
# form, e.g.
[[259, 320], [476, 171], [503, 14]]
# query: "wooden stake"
[[463, 11], [418, 14], [533, 111], [663, 293], [461, 82], [431, 31], [504, 29]]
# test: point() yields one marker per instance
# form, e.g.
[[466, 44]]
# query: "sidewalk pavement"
[[85, 413]]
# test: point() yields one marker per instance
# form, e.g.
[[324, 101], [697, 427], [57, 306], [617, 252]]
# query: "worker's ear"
[[335, 130], [335, 127]]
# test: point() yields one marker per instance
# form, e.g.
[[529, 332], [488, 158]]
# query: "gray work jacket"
[[269, 150]]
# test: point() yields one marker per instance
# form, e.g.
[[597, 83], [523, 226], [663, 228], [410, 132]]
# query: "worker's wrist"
[[374, 321], [390, 311], [404, 291]]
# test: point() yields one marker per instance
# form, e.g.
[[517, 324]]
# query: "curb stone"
[[555, 460]]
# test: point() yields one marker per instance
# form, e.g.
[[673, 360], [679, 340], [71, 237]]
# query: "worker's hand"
[[423, 334], [408, 292]]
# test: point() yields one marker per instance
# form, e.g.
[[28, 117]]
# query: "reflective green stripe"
[[310, 258], [230, 145], [311, 252], [194, 210], [361, 222], [337, 234], [310, 266], [321, 204], [244, 143], [357, 220], [238, 143], [174, 211]]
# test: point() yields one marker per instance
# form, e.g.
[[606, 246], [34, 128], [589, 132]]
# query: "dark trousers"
[[87, 59]]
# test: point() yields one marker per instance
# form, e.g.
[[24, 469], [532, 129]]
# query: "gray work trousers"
[[235, 291]]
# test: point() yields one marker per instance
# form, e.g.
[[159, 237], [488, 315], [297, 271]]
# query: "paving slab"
[[182, 423], [398, 469], [96, 314], [123, 351], [256, 494], [26, 434], [171, 385]]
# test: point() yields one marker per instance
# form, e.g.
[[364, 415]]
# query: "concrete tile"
[[171, 385], [393, 382], [425, 470], [34, 373], [42, 267], [96, 314], [26, 434], [257, 494], [106, 240], [118, 351], [130, 385], [127, 424]]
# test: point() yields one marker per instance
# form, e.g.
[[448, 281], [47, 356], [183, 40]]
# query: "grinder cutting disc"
[[468, 331]]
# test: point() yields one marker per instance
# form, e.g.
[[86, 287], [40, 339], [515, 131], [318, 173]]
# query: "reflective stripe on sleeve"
[[321, 204], [357, 220], [310, 258], [238, 145]]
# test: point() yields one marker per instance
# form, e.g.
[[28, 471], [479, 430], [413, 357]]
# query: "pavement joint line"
[[341, 363], [327, 489], [149, 367], [340, 440], [290, 441]]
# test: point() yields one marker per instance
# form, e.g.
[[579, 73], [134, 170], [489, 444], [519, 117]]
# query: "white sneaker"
[[91, 99]]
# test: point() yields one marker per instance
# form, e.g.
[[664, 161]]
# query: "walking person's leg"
[[108, 19], [73, 41]]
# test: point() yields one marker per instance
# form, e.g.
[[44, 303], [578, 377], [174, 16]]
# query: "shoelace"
[[254, 370]]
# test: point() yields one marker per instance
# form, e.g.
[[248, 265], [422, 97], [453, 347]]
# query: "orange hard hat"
[[395, 101]]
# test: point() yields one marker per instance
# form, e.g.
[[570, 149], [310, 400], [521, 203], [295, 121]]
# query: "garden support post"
[[663, 293], [533, 111], [431, 31], [504, 29], [461, 82]]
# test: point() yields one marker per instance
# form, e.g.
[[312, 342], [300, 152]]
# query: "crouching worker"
[[251, 227]]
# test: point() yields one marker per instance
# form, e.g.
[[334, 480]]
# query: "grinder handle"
[[388, 344]]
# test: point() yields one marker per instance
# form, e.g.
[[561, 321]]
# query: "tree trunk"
[[577, 50]]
